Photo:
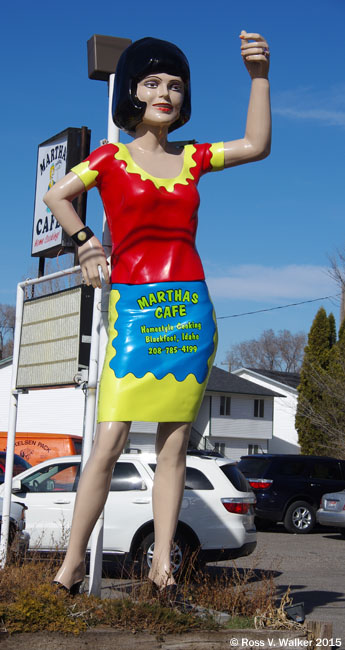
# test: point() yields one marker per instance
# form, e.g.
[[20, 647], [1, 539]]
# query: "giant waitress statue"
[[162, 328]]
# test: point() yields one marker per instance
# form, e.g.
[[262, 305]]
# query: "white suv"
[[217, 512], [18, 537]]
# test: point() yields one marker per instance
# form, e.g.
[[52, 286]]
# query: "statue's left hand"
[[92, 256], [256, 54]]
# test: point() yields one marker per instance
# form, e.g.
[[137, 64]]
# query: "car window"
[[235, 477], [323, 469], [77, 446], [126, 477], [195, 479], [57, 477], [292, 467], [254, 467]]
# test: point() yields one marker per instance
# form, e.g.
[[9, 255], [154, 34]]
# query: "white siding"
[[143, 441], [202, 421], [237, 447], [144, 427], [285, 436], [241, 423], [58, 410]]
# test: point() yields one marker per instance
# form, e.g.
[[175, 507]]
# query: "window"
[[253, 449], [62, 477], [195, 480], [235, 477], [77, 445], [292, 467], [225, 403], [259, 408], [126, 477], [328, 469], [220, 447]]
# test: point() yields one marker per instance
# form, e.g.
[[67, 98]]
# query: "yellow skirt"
[[161, 346]]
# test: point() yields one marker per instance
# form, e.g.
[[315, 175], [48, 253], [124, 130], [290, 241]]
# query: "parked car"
[[19, 465], [289, 487], [19, 538], [217, 513], [332, 511]]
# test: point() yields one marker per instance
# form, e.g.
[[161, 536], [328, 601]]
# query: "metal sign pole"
[[11, 435], [96, 556], [13, 406]]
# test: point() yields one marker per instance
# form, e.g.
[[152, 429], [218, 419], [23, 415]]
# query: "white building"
[[285, 436], [236, 416]]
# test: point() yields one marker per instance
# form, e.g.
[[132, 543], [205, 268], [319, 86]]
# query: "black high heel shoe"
[[74, 590], [153, 587]]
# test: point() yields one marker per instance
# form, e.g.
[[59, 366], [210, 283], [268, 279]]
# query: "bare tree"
[[58, 263], [282, 351], [7, 321], [337, 272]]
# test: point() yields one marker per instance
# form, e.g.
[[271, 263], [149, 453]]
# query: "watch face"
[[82, 236]]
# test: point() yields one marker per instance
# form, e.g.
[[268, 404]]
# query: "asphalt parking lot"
[[312, 565]]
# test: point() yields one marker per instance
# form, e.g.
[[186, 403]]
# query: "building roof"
[[291, 379], [221, 381]]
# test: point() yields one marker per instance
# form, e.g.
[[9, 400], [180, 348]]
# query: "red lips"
[[166, 108]]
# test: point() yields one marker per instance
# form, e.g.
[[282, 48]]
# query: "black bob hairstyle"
[[142, 58]]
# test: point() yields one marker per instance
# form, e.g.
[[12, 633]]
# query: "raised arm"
[[256, 143], [91, 254]]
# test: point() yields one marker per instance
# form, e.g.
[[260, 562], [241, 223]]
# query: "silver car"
[[332, 510], [19, 538]]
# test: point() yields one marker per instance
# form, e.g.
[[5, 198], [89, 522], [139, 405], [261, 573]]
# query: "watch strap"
[[82, 236]]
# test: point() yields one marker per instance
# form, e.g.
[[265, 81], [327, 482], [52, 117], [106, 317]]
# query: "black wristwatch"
[[82, 236]]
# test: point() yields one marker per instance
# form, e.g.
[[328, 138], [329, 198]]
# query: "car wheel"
[[299, 518], [342, 532], [179, 554]]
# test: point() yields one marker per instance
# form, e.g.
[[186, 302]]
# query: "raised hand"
[[255, 53]]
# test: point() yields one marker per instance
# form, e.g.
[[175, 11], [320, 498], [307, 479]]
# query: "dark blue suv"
[[19, 465], [289, 487]]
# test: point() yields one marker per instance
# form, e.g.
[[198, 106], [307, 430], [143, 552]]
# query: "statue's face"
[[163, 94]]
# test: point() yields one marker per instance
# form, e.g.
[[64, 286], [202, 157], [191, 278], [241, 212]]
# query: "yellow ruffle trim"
[[169, 183]]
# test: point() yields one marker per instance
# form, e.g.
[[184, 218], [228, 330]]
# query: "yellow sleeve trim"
[[217, 160], [86, 175]]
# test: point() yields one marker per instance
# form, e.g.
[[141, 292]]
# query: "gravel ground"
[[312, 565]]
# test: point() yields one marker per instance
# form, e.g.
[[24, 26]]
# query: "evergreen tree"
[[332, 331], [312, 437], [334, 398]]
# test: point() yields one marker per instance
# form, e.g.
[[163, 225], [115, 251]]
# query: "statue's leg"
[[91, 496], [171, 447]]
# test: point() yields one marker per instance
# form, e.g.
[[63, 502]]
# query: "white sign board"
[[51, 167], [55, 338]]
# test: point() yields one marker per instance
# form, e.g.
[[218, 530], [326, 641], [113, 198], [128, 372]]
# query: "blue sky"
[[266, 230]]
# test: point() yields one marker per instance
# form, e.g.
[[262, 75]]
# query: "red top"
[[152, 221]]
